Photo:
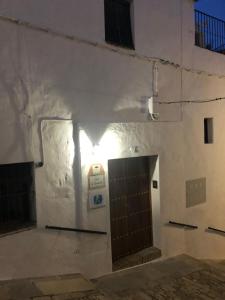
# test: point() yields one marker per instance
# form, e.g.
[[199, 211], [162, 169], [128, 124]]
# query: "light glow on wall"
[[107, 147]]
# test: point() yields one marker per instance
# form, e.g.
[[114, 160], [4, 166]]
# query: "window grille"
[[118, 23], [17, 196]]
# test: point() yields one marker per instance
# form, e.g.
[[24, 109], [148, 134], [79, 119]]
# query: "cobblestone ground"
[[181, 277], [178, 278]]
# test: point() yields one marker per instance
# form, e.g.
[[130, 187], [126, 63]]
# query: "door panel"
[[130, 206]]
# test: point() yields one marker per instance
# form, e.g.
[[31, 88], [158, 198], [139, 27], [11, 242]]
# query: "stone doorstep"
[[64, 286], [45, 288], [141, 257]]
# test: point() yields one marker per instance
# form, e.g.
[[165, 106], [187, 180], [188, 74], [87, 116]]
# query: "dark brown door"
[[130, 206]]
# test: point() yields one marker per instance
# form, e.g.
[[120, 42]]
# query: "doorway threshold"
[[136, 259]]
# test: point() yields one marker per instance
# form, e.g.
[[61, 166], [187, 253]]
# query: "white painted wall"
[[104, 90], [82, 18]]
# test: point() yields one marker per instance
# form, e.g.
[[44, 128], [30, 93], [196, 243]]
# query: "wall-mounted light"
[[152, 115]]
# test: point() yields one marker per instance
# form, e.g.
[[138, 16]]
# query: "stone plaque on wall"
[[96, 177], [195, 192]]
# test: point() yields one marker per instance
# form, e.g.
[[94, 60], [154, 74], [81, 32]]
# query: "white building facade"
[[71, 101]]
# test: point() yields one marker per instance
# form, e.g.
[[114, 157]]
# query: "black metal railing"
[[75, 230], [188, 226], [216, 230], [209, 32]]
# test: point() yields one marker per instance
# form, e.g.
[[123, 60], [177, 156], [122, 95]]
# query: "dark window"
[[118, 23], [208, 130], [17, 196]]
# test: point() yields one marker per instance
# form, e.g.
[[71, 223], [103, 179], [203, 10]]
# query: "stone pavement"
[[181, 277], [51, 288]]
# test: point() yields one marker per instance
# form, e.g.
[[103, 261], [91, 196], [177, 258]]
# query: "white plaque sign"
[[96, 181], [96, 177]]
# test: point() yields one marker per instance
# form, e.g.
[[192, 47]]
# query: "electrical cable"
[[190, 101]]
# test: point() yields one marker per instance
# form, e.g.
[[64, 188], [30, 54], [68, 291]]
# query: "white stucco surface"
[[73, 103]]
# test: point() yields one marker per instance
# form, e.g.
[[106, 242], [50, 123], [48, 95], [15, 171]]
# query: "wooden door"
[[130, 206]]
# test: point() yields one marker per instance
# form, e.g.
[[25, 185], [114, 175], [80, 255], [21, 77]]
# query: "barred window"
[[17, 197], [118, 23]]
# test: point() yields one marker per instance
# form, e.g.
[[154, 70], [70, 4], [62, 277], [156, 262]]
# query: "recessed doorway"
[[130, 206]]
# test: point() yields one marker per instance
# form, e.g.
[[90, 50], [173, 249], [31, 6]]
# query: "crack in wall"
[[107, 47]]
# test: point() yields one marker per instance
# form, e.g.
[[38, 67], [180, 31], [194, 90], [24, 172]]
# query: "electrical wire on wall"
[[180, 102], [199, 101], [134, 55]]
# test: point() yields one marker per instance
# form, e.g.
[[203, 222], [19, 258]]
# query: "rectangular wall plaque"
[[195, 192], [96, 200], [97, 181]]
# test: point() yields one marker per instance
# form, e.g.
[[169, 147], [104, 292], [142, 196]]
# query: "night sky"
[[215, 8]]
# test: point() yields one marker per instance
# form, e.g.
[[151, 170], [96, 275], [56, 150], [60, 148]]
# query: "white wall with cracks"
[[65, 78]]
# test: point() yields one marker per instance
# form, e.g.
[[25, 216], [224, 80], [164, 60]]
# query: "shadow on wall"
[[17, 111], [19, 139], [94, 135]]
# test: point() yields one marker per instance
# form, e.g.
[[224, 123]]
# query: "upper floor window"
[[118, 29]]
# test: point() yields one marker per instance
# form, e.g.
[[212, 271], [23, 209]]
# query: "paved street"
[[178, 278], [181, 277]]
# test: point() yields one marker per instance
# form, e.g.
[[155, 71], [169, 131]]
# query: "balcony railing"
[[209, 32]]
